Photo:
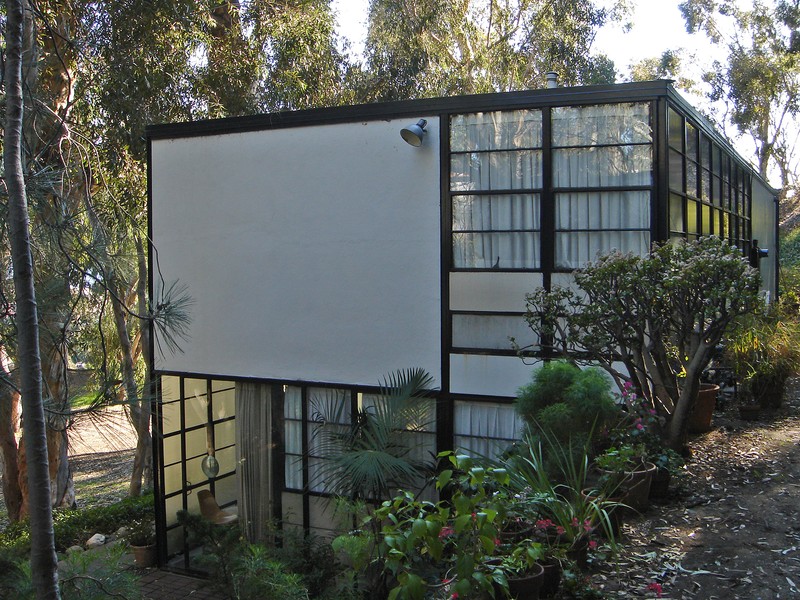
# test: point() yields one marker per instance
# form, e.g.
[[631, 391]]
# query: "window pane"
[[603, 210], [676, 213], [574, 250], [705, 186], [691, 178], [706, 212], [675, 130], [496, 213], [691, 141], [496, 250], [676, 171], [484, 429], [603, 124], [496, 170], [490, 332], [691, 216], [496, 130], [603, 167]]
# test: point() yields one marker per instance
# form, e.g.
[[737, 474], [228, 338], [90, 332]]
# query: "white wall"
[[310, 253]]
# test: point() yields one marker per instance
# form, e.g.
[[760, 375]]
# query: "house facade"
[[321, 251]]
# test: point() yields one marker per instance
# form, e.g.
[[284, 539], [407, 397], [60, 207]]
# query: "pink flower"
[[592, 544], [574, 521], [639, 426], [655, 587], [544, 524], [455, 595], [587, 525], [445, 532], [560, 530]]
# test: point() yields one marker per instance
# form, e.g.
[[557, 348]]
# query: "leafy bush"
[[564, 401], [83, 576]]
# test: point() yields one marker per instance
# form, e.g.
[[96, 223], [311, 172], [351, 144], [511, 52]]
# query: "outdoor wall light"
[[413, 134]]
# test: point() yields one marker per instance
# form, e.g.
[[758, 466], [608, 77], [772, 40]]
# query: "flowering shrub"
[[429, 548]]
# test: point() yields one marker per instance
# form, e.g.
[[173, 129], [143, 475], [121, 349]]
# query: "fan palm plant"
[[377, 450]]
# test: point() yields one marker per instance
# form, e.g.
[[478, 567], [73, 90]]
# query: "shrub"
[[564, 401], [74, 526]]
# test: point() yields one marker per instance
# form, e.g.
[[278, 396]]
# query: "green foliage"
[[256, 575], [564, 401], [764, 351], [435, 48], [141, 532], [661, 316], [365, 459], [98, 576], [422, 544], [83, 576], [74, 526], [547, 486]]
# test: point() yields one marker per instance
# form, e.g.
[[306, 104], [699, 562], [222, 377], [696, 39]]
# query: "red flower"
[[560, 530], [592, 544], [445, 532], [656, 587]]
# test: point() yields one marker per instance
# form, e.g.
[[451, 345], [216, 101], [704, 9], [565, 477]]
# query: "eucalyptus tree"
[[418, 48], [760, 84], [44, 567]]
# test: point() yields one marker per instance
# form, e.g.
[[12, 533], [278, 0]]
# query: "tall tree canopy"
[[760, 83], [419, 48]]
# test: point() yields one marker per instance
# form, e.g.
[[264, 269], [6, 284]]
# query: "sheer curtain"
[[485, 429], [603, 146], [253, 457], [496, 153]]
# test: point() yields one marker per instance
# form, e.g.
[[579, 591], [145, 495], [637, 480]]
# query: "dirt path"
[[732, 529]]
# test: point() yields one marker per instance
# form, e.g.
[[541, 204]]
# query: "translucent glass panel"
[[490, 332], [588, 223], [603, 167], [485, 429], [293, 436], [496, 153], [484, 171], [602, 124], [329, 415], [499, 130]]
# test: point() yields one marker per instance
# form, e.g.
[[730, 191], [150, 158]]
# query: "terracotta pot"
[[703, 408], [636, 487], [144, 556]]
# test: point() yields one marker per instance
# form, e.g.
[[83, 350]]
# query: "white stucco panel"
[[311, 253], [485, 375]]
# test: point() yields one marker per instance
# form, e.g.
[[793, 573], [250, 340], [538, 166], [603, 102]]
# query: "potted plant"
[[522, 569], [141, 537], [624, 470]]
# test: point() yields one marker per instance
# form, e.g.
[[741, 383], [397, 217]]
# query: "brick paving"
[[163, 585]]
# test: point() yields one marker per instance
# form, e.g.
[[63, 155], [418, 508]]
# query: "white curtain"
[[485, 429], [253, 459]]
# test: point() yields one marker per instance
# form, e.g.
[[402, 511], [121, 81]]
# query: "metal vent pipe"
[[552, 79]]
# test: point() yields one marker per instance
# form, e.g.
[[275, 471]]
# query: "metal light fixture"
[[413, 134]]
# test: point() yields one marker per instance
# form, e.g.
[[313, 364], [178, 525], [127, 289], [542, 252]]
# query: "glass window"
[[496, 153], [676, 214], [675, 125], [607, 166], [604, 124], [490, 332]]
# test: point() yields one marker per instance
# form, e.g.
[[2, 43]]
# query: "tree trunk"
[[9, 454], [44, 566], [142, 475]]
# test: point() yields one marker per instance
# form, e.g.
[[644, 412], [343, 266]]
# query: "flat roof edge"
[[412, 108]]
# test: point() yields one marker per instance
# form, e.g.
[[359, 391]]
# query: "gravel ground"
[[732, 528]]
